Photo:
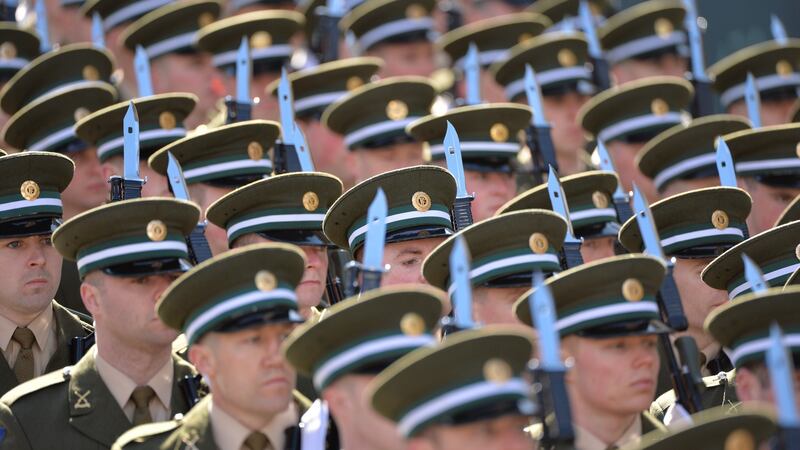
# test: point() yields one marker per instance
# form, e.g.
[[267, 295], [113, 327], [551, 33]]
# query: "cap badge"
[[524, 37], [599, 200], [166, 120], [156, 230], [538, 243], [80, 113], [416, 11], [496, 370], [354, 82], [260, 39], [265, 281], [797, 149], [659, 107], [740, 439], [784, 68], [632, 290], [720, 219], [205, 19], [499, 132], [421, 201], [663, 27], [30, 190], [8, 50], [567, 58], [797, 251], [412, 324], [397, 110], [310, 201], [255, 151], [90, 73]]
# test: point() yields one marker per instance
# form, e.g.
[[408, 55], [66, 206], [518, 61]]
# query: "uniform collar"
[[230, 434], [41, 325], [585, 440], [121, 386]]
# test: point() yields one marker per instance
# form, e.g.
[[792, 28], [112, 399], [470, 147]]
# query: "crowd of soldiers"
[[395, 224]]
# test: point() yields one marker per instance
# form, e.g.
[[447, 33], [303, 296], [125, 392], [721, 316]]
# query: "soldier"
[[69, 25], [373, 119], [315, 89], [400, 32], [777, 77], [353, 342], [645, 40], [286, 208], [271, 47], [768, 169], [35, 332], [695, 227], [218, 161], [161, 119], [683, 158], [489, 149], [419, 201], [625, 118], [593, 217], [20, 46], [127, 254], [504, 250], [466, 393], [560, 60], [492, 38], [609, 323], [167, 37], [236, 310]]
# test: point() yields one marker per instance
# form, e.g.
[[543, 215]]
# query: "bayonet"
[[538, 136], [303, 152], [328, 37], [725, 167], [752, 99], [462, 206], [778, 30], [42, 29], [286, 158], [374, 241], [98, 35], [702, 104], [141, 64], [571, 251], [199, 249], [620, 197], [462, 294], [472, 75], [600, 71], [782, 374], [129, 185], [754, 276], [241, 107]]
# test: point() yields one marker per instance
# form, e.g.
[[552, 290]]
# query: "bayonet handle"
[[370, 279], [544, 141], [570, 255], [237, 112], [116, 188], [679, 385], [601, 73], [198, 244], [131, 189], [669, 300], [462, 213], [788, 438], [560, 433], [624, 210], [690, 369], [703, 102]]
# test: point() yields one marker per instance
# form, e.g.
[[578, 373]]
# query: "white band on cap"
[[768, 164], [486, 58], [171, 44], [273, 51], [763, 83], [699, 234], [551, 76], [316, 101], [628, 125], [158, 133], [276, 218], [685, 166], [226, 166], [71, 86], [644, 45], [510, 261], [477, 146], [592, 213], [46, 142], [131, 11], [767, 277], [606, 311], [13, 63], [233, 303], [455, 398], [376, 129], [365, 350], [396, 27], [20, 204], [239, 4], [762, 345], [410, 215], [128, 249]]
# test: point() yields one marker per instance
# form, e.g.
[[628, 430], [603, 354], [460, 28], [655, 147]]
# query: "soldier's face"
[[125, 307], [624, 156], [328, 151], [768, 204], [597, 248], [492, 190], [773, 112], [370, 162], [248, 374], [698, 299], [753, 385], [502, 433], [633, 69], [189, 73], [88, 188], [680, 186], [561, 111], [410, 58], [31, 272], [405, 260], [613, 376], [494, 305]]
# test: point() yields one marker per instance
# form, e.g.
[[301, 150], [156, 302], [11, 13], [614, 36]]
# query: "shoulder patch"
[[142, 433], [36, 384]]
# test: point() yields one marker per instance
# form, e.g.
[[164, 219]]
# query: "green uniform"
[[720, 391], [75, 408]]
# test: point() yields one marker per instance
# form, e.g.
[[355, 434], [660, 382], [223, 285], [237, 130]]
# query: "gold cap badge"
[[310, 201], [396, 110], [205, 19], [496, 370], [599, 199], [524, 37], [499, 132], [80, 113], [415, 11], [8, 50], [784, 68], [353, 83], [659, 107], [421, 201], [265, 280], [720, 219], [538, 243], [30, 190], [255, 151], [90, 73], [632, 290], [166, 120], [567, 58], [412, 324], [663, 27], [260, 39], [156, 230]]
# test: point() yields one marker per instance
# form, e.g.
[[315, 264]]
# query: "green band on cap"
[[511, 262], [130, 249], [681, 238], [775, 274], [753, 347], [606, 311], [274, 219], [226, 166], [401, 218], [13, 206], [582, 215]]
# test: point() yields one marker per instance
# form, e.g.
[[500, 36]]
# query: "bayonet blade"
[[285, 105], [753, 275], [753, 100], [647, 226], [98, 35], [375, 238], [336, 8], [589, 29], [459, 277], [243, 72], [607, 164], [695, 41], [782, 373], [559, 202], [472, 75], [725, 167], [778, 30], [131, 144], [303, 152], [534, 97], [42, 29], [176, 180], [141, 64], [452, 152], [543, 314]]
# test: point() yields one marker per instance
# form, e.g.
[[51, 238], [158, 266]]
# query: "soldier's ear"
[[90, 294], [202, 358], [748, 386]]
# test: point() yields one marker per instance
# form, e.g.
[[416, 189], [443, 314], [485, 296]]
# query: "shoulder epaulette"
[[36, 384], [143, 432]]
